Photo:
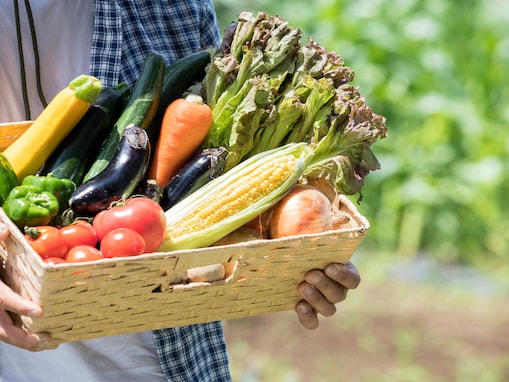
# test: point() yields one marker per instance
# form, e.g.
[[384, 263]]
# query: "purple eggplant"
[[199, 170], [119, 179]]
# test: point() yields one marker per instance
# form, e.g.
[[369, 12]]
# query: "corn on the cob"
[[234, 198]]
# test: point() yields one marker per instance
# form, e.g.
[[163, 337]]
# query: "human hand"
[[12, 302], [4, 232], [322, 290]]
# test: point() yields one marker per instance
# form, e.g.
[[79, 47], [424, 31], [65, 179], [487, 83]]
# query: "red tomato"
[[140, 214], [122, 242], [86, 225], [79, 234], [54, 260], [83, 253], [47, 241]]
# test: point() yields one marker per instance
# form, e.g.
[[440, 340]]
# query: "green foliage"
[[437, 71]]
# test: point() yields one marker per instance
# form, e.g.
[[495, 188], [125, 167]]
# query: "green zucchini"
[[140, 110], [76, 153], [8, 179], [178, 77], [182, 74]]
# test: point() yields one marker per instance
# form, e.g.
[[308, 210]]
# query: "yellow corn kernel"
[[236, 196]]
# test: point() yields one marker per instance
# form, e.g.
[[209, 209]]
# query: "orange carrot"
[[184, 126]]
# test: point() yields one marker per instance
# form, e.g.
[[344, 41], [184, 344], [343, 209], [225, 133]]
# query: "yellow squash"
[[28, 153]]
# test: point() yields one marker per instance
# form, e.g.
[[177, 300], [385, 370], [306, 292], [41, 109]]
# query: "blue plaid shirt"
[[125, 32]]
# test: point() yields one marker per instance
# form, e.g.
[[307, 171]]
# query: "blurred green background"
[[437, 70]]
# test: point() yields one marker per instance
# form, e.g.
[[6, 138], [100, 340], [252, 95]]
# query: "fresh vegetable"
[[35, 145], [150, 189], [47, 241], [304, 210], [234, 198], [178, 77], [249, 189], [228, 35], [8, 178], [61, 188], [83, 253], [80, 233], [120, 177], [260, 224], [199, 170], [76, 153], [85, 223], [54, 260], [185, 124], [139, 111], [268, 90], [139, 214], [122, 242], [30, 206]]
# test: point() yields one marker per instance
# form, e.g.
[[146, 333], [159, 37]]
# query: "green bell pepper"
[[28, 205], [61, 188]]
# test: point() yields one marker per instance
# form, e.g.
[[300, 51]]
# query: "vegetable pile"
[[268, 90], [216, 143]]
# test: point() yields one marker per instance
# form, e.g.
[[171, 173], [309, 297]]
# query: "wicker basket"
[[9, 132], [123, 295]]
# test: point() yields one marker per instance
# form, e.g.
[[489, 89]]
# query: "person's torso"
[[127, 358], [57, 25], [70, 23]]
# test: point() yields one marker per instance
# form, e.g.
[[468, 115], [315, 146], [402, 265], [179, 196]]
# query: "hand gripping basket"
[[124, 295]]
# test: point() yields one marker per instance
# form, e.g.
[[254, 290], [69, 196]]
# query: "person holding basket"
[[45, 44]]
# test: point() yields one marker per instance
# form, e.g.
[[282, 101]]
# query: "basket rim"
[[361, 227]]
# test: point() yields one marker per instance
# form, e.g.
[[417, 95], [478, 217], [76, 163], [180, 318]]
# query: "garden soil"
[[386, 331]]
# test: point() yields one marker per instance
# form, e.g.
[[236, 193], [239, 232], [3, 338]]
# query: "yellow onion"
[[260, 224], [304, 210]]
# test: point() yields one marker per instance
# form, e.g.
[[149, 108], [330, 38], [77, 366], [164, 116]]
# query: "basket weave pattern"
[[125, 295]]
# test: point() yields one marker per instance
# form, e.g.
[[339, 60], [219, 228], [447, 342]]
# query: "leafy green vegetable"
[[267, 90]]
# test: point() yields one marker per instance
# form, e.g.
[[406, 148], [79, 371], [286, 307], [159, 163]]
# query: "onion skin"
[[260, 224], [304, 210]]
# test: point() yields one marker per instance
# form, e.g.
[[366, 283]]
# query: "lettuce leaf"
[[267, 90]]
